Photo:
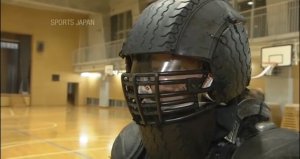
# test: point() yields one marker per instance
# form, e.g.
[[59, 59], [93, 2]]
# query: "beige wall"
[[57, 57], [93, 87], [116, 91]]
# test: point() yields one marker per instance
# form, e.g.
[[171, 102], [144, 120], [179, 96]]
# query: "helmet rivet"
[[133, 100]]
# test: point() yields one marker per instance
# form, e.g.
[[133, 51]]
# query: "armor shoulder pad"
[[272, 144], [252, 106], [128, 143]]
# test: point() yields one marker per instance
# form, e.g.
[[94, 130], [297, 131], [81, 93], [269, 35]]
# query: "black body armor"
[[246, 135], [188, 64]]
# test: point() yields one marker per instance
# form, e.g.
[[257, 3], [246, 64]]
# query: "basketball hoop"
[[268, 70], [108, 70]]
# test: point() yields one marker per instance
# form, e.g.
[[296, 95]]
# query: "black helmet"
[[209, 31], [200, 49]]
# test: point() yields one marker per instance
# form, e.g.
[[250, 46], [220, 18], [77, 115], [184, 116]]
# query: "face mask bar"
[[149, 105]]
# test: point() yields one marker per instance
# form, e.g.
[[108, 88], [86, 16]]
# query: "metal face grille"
[[150, 103]]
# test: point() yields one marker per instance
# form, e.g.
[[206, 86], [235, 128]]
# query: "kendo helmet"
[[199, 46]]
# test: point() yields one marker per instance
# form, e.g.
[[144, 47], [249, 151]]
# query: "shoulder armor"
[[271, 144], [128, 144], [250, 107], [263, 126]]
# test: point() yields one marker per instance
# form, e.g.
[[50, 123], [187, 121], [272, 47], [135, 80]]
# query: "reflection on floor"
[[85, 132]]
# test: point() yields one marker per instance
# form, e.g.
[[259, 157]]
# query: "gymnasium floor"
[[82, 132]]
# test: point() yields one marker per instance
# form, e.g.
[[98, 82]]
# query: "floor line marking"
[[55, 139], [58, 153], [52, 125], [55, 145], [41, 141]]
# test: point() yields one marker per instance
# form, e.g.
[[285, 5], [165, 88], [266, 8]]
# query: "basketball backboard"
[[279, 55]]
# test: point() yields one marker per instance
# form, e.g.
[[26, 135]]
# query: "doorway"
[[10, 72], [72, 93], [15, 63]]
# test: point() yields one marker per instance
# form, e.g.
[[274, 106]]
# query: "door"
[[15, 63], [72, 93], [10, 73]]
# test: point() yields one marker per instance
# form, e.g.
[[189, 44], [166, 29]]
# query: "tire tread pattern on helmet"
[[160, 142], [158, 19], [188, 139], [232, 57], [165, 20]]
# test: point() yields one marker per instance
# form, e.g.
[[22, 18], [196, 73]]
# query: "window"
[[256, 24], [120, 25], [247, 5]]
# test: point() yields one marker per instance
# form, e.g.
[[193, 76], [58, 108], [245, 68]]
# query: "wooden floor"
[[84, 132]]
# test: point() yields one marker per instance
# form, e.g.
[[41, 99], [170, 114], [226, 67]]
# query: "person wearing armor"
[[188, 67]]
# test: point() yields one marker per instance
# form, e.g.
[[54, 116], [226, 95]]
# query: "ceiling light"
[[90, 74], [250, 3]]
